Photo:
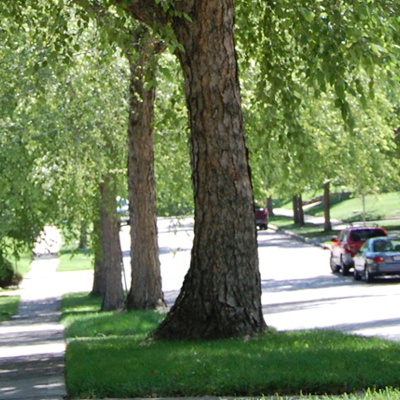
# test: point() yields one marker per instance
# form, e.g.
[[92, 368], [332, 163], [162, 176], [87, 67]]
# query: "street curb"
[[299, 237]]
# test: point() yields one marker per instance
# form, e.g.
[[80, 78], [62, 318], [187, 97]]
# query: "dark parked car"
[[378, 256], [262, 216], [349, 241]]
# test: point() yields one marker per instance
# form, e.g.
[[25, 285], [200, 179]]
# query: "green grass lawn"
[[8, 306], [383, 209], [349, 209], [108, 356], [74, 261], [8, 302], [23, 264]]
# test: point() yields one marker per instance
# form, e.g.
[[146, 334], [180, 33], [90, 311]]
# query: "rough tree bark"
[[113, 296], [295, 205], [221, 294], [99, 281], [270, 206], [301, 210], [298, 213], [146, 288]]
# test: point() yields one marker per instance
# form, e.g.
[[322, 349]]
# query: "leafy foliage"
[[320, 94], [318, 79], [65, 124], [172, 164]]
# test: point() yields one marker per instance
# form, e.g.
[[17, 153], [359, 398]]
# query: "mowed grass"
[[383, 209], [23, 264], [8, 306], [377, 207], [108, 356], [74, 261], [8, 302]]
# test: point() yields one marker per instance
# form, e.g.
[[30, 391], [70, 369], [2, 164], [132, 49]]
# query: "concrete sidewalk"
[[32, 344]]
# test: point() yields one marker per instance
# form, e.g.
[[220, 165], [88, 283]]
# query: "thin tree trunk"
[[83, 237], [327, 207], [146, 288], [298, 213], [295, 205], [221, 293], [300, 208], [113, 298], [270, 206], [99, 280]]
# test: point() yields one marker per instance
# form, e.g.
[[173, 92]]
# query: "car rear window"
[[364, 234]]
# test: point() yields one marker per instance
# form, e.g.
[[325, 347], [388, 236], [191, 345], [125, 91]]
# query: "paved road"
[[299, 290]]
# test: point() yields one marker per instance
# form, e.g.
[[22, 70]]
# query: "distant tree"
[[113, 296], [145, 291], [69, 127]]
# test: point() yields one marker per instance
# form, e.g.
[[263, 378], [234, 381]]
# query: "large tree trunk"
[[221, 293], [113, 296], [146, 289], [327, 207]]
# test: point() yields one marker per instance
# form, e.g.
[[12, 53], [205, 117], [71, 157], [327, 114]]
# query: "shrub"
[[8, 277]]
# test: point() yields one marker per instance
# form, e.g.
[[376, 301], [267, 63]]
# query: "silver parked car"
[[379, 256]]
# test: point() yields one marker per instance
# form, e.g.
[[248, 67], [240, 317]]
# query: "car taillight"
[[378, 259]]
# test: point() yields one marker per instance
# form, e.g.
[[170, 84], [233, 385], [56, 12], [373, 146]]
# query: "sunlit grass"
[[385, 205], [23, 264], [108, 356], [8, 306], [377, 207], [74, 261]]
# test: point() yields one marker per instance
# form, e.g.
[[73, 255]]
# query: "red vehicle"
[[261, 215], [349, 241]]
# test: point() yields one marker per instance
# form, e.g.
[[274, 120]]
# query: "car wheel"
[[344, 268], [334, 267], [356, 275], [368, 277]]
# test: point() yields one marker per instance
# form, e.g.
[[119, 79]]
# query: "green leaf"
[[307, 14]]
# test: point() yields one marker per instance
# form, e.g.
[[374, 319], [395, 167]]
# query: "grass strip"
[[107, 356], [74, 261], [8, 306]]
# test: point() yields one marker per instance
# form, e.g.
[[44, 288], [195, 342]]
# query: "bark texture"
[[99, 280], [113, 297], [298, 213], [146, 287], [221, 294], [270, 206]]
